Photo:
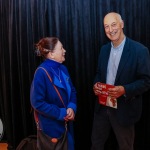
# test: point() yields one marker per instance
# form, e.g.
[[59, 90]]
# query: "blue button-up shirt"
[[113, 62]]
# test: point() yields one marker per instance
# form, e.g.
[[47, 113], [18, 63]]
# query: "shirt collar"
[[119, 47]]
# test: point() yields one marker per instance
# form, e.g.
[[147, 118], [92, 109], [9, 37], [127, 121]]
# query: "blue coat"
[[45, 100], [133, 73]]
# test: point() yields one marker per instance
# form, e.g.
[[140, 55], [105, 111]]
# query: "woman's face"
[[59, 53]]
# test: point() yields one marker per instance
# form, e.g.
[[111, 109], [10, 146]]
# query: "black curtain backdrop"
[[79, 26]]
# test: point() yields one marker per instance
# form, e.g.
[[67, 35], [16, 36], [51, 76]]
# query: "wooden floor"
[[3, 146]]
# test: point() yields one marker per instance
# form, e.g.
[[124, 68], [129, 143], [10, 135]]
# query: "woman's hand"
[[70, 114]]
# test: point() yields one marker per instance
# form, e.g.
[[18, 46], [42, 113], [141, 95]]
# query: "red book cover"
[[103, 98]]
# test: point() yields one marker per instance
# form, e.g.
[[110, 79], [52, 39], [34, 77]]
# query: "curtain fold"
[[79, 26]]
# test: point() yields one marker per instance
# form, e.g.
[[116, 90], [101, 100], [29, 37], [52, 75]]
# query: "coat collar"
[[124, 59]]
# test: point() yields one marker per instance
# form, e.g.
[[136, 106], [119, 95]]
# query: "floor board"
[[3, 146]]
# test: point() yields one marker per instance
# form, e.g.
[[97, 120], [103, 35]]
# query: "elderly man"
[[125, 64]]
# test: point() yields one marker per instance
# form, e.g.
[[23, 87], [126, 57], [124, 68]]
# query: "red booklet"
[[104, 99]]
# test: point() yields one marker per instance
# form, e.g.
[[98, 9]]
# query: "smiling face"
[[58, 54], [113, 25]]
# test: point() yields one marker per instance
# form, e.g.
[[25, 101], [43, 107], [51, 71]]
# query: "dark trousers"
[[105, 120]]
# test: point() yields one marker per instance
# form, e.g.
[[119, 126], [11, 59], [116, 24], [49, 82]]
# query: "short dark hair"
[[46, 45]]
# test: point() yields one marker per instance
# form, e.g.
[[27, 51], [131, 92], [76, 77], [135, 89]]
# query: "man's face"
[[113, 26]]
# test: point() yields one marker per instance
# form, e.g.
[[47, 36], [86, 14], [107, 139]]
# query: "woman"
[[52, 113]]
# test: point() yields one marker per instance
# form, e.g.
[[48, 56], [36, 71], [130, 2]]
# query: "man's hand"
[[116, 92], [96, 89]]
